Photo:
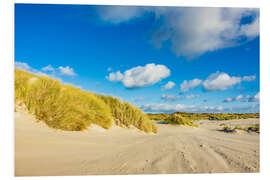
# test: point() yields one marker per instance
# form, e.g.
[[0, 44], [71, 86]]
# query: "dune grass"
[[252, 128], [65, 107], [126, 115], [209, 116]]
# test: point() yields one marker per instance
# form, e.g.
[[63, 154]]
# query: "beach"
[[43, 151]]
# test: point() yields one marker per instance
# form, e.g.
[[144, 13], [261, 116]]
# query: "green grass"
[[65, 107]]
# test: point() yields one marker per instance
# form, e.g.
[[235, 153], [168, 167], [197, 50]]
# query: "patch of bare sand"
[[41, 151]]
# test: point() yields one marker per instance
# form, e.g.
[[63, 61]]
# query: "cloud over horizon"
[[180, 108], [48, 70], [167, 97], [170, 108], [255, 98], [193, 96], [237, 98]]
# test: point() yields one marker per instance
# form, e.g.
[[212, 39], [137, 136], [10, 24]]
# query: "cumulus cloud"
[[66, 71], [220, 81], [168, 86], [141, 75], [187, 85], [48, 68], [192, 31], [255, 98], [192, 96], [215, 82], [115, 76], [167, 97]]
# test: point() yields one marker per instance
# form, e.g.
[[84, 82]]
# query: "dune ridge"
[[63, 106]]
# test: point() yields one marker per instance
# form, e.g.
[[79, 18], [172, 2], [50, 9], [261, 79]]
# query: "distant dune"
[[43, 151]]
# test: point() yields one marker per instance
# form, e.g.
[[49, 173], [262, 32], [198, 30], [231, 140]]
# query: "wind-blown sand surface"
[[41, 151]]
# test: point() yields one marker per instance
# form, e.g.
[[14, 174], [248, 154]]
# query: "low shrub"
[[254, 128], [209, 116], [177, 119]]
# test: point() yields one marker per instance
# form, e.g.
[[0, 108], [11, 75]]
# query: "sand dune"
[[41, 151]]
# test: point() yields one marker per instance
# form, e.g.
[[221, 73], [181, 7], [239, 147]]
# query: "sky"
[[160, 59]]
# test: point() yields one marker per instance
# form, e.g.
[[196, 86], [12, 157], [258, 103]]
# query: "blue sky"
[[209, 56]]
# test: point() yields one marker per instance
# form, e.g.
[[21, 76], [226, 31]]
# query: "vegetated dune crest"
[[65, 107]]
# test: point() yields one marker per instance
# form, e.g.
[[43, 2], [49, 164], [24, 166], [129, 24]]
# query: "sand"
[[42, 151]]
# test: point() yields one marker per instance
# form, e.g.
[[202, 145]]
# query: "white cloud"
[[192, 31], [192, 96], [48, 68], [249, 78], [26, 67], [66, 71], [168, 108], [62, 70], [251, 30], [255, 98], [215, 82], [187, 85], [115, 76], [168, 86], [167, 97], [22, 65], [119, 14], [141, 75], [180, 108], [220, 81], [237, 98]]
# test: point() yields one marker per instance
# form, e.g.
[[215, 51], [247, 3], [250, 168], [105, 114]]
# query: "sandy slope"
[[40, 150]]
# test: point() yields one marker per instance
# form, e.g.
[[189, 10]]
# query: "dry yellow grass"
[[65, 107]]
